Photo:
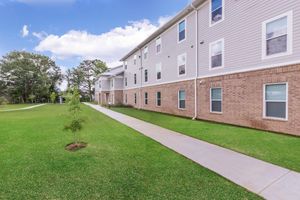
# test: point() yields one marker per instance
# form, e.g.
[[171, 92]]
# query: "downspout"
[[196, 74]]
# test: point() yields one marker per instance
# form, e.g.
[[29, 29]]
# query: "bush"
[[3, 101]]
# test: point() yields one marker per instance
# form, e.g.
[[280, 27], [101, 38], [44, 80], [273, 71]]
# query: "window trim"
[[286, 102], [180, 75], [210, 97], [146, 98], [290, 25], [185, 32], [158, 64], [158, 38], [223, 54], [210, 14], [157, 99], [181, 90]]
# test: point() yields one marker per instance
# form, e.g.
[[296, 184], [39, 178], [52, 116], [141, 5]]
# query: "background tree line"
[[27, 77]]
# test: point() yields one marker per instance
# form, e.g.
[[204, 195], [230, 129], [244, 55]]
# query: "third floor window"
[[217, 9]]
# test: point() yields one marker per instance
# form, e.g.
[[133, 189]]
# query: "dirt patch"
[[75, 147]]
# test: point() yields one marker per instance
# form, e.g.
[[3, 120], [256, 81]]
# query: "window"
[[125, 98], [181, 31], [99, 84], [146, 75], [134, 59], [134, 79], [145, 53], [181, 62], [158, 99], [181, 99], [134, 98], [158, 71], [112, 83], [216, 50], [158, 45], [216, 100], [277, 36], [217, 11], [275, 97], [126, 81], [146, 98], [125, 65]]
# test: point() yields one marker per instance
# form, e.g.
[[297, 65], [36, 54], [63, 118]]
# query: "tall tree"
[[85, 75], [25, 74]]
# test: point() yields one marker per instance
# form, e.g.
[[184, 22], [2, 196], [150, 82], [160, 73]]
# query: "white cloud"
[[40, 35], [164, 19], [25, 31], [109, 46]]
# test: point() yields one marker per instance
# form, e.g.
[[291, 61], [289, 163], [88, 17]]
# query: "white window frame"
[[179, 99], [223, 54], [157, 99], [289, 51], [145, 75], [210, 14], [156, 44], [158, 65], [146, 98], [184, 20], [135, 59], [286, 102], [211, 111], [145, 53], [178, 65]]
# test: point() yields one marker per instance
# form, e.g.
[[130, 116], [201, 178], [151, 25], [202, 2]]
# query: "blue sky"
[[71, 30]]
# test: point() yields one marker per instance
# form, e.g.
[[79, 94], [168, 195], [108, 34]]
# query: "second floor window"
[[217, 9], [112, 83], [125, 81], [99, 84], [125, 65], [277, 33], [134, 59], [146, 75], [158, 71], [158, 45], [135, 79], [216, 54], [181, 31], [181, 61], [145, 53]]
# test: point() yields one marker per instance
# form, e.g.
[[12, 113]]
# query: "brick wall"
[[243, 99]]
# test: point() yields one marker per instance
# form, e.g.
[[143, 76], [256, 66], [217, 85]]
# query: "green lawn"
[[279, 149], [119, 163], [14, 106]]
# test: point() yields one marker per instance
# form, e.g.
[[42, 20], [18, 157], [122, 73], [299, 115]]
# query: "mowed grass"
[[275, 148], [119, 163]]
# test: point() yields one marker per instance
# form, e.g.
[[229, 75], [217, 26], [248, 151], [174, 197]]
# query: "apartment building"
[[228, 61], [109, 87]]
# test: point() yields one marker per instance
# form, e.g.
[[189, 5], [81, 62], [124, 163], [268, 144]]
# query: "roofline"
[[187, 10]]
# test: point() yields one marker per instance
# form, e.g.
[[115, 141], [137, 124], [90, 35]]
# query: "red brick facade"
[[242, 95]]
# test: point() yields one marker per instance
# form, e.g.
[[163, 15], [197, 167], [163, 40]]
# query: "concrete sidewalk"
[[265, 179]]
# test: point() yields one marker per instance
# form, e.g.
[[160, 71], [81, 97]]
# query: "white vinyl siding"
[[181, 62], [278, 36], [216, 100], [216, 54], [276, 101]]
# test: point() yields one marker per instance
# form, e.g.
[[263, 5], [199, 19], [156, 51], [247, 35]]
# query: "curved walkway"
[[26, 108], [265, 179]]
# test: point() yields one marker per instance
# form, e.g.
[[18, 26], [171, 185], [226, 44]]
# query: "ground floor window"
[[125, 98], [134, 98], [181, 99], [146, 98], [158, 98], [216, 100], [275, 100]]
